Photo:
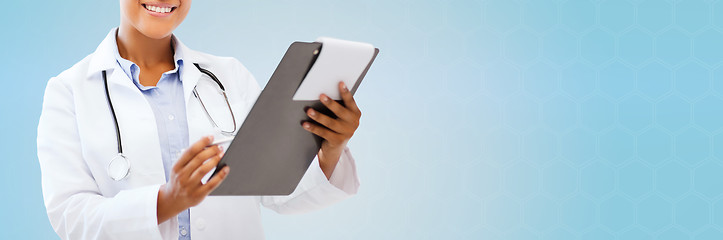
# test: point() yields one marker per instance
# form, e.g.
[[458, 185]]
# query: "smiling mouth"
[[158, 9]]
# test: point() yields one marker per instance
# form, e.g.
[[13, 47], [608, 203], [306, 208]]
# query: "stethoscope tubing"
[[112, 111], [123, 173]]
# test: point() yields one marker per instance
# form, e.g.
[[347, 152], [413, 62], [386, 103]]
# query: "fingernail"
[[307, 125], [312, 112], [210, 138], [220, 148], [225, 170], [324, 98], [343, 87]]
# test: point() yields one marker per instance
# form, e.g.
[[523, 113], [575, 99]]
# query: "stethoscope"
[[119, 166]]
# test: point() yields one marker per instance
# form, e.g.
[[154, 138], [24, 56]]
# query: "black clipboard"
[[271, 151]]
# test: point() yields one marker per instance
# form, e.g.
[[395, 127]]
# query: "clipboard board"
[[271, 151]]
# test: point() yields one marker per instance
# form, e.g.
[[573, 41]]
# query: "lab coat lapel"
[[138, 129], [135, 116], [189, 72], [190, 75]]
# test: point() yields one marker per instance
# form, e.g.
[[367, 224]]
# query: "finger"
[[205, 168], [215, 181], [199, 159], [336, 108], [327, 121], [348, 98], [321, 131], [192, 151]]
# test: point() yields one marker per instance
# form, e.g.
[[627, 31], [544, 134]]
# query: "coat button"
[[201, 223]]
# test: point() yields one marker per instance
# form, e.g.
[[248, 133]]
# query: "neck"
[[142, 50]]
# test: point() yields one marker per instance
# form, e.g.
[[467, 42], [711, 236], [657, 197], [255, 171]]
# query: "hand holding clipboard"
[[275, 163], [336, 132]]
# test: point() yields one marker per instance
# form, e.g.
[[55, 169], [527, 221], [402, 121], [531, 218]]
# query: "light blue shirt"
[[167, 101]]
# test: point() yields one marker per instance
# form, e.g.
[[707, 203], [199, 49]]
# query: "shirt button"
[[183, 231], [171, 117]]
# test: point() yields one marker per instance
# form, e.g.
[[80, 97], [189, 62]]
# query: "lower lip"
[[157, 14]]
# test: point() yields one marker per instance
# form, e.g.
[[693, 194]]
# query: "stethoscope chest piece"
[[119, 167]]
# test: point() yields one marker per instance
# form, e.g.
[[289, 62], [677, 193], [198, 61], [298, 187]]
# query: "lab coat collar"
[[104, 59]]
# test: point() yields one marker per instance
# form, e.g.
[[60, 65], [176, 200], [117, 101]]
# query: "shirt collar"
[[103, 59], [131, 69]]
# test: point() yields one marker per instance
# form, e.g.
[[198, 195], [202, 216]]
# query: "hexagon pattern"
[[610, 120]]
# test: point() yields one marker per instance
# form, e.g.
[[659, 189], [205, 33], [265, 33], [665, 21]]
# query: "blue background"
[[494, 119]]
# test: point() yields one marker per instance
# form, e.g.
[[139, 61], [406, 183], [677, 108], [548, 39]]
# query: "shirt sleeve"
[[315, 191], [75, 207]]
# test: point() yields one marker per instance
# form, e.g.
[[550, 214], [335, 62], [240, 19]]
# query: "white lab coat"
[[77, 139]]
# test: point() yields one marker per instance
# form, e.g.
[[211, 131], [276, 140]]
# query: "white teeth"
[[159, 9]]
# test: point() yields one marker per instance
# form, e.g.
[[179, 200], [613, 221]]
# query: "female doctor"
[[114, 139]]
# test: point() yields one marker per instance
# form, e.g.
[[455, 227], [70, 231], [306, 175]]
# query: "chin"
[[156, 32], [154, 19]]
